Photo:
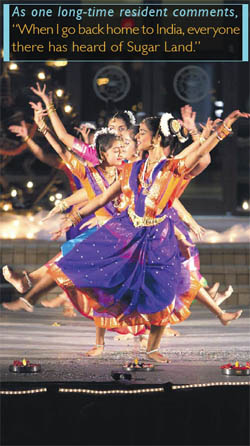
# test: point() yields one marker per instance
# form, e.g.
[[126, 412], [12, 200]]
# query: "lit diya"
[[236, 369], [24, 367], [138, 366]]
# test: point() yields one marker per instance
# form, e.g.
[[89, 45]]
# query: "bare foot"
[[95, 351], [171, 332], [158, 357], [213, 290], [55, 302], [20, 281], [220, 297], [226, 318], [19, 304]]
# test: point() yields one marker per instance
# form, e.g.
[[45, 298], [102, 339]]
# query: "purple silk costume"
[[126, 268]]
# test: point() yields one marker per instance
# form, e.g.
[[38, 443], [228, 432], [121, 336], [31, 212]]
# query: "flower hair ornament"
[[103, 131], [88, 125], [132, 119], [170, 126]]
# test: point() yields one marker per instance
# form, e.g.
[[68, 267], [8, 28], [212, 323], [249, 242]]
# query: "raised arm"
[[22, 130], [205, 147], [44, 129], [56, 122]]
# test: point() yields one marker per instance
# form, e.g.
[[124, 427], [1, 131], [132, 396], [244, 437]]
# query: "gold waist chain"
[[144, 221]]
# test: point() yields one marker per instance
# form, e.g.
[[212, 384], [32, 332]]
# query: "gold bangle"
[[75, 218], [63, 205], [228, 129], [52, 110], [43, 130], [26, 138], [220, 137]]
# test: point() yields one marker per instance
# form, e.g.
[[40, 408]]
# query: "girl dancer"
[[130, 268]]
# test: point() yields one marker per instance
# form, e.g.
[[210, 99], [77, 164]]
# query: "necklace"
[[111, 176], [147, 184]]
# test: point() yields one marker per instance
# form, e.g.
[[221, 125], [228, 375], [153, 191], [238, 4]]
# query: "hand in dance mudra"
[[41, 92], [65, 225], [84, 132], [188, 117], [236, 114], [56, 210], [20, 130], [197, 230], [39, 112]]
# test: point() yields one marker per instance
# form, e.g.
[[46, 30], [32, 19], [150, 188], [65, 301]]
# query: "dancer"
[[130, 267], [56, 162], [120, 122]]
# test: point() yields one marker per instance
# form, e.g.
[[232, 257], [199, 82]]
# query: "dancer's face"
[[144, 137], [113, 155], [118, 125], [128, 150]]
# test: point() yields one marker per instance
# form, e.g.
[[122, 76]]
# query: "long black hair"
[[153, 124]]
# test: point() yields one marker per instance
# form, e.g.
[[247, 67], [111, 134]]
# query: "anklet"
[[100, 345], [152, 351], [28, 279], [31, 307]]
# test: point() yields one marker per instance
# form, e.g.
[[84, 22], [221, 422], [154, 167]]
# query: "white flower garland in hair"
[[103, 131], [164, 124], [89, 125], [182, 138], [132, 119]]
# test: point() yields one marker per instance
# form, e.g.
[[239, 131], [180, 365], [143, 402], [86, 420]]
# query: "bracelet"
[[222, 132], [43, 128], [202, 140], [75, 217], [193, 132], [219, 137], [26, 138], [228, 129], [51, 109], [63, 205]]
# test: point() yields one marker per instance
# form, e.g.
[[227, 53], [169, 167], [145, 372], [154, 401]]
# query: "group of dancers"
[[128, 263]]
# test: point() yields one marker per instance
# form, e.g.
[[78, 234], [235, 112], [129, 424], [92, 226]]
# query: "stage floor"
[[197, 354]]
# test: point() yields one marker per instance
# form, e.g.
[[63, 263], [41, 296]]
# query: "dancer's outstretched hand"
[[197, 230], [65, 225], [84, 132], [95, 221], [188, 117], [91, 223], [184, 247], [39, 112], [54, 211], [19, 130], [41, 93], [236, 114]]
